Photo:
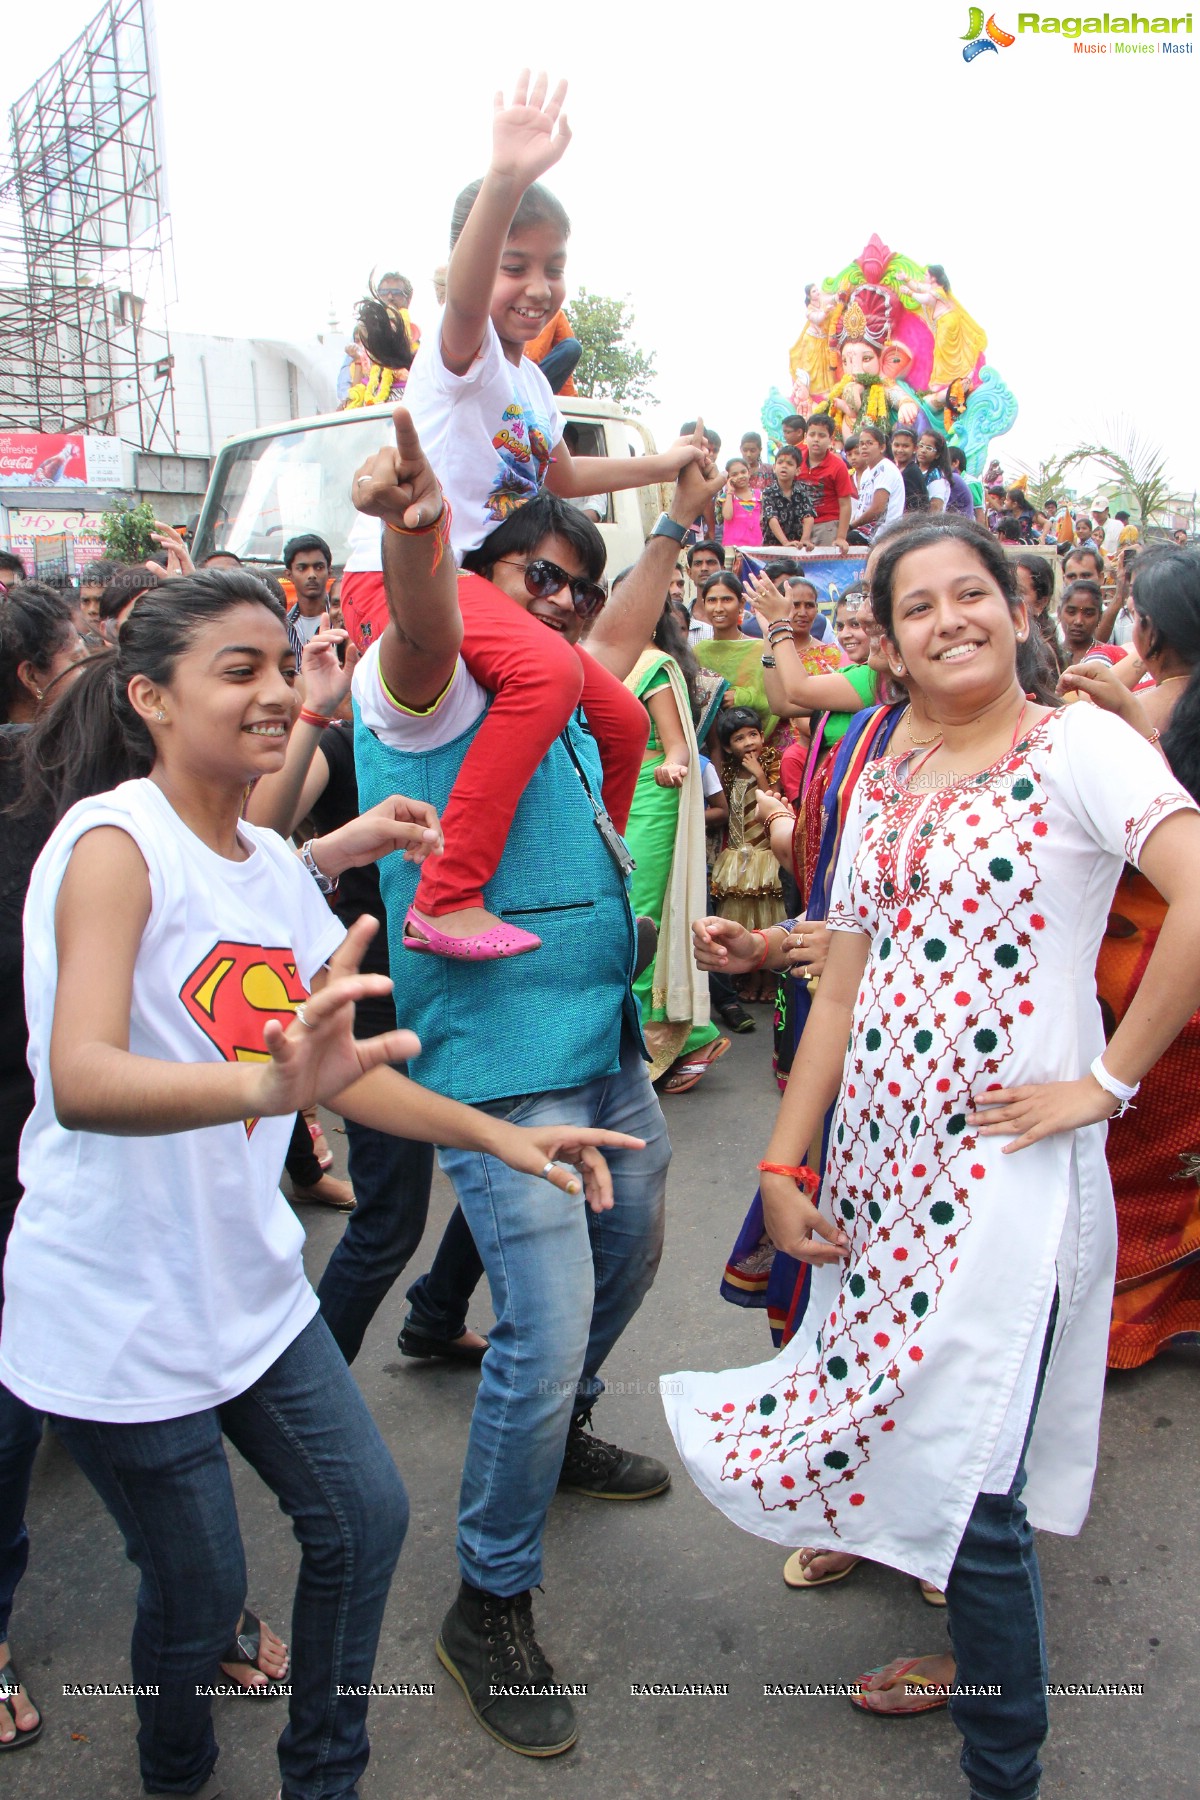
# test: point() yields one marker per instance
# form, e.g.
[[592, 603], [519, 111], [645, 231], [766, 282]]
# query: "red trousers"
[[537, 679]]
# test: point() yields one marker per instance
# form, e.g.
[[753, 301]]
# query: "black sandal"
[[245, 1648], [10, 1684]]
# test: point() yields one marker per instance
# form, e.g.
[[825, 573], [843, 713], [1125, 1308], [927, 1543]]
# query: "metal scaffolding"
[[85, 251]]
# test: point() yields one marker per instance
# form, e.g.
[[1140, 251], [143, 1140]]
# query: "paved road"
[[665, 1591]]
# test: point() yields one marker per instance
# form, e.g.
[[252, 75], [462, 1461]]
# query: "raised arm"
[[281, 800], [571, 477], [801, 691], [419, 650], [627, 623], [528, 138]]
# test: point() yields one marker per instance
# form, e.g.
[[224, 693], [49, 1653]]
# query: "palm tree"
[[1137, 464], [1048, 481]]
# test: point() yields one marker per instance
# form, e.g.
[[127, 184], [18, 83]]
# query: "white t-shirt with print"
[[884, 475], [153, 1277], [490, 434]]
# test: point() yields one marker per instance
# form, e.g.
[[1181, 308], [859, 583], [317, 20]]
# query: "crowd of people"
[[260, 862]]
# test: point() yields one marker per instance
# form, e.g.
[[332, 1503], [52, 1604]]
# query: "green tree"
[[611, 367], [1137, 464]]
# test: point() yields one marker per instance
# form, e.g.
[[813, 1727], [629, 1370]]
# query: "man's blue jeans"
[[565, 1283], [305, 1428], [994, 1616], [391, 1178]]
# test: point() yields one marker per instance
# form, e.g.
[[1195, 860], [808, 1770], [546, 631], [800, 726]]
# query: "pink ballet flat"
[[485, 946]]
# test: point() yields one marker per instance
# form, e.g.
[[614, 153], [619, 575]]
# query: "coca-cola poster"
[[39, 459]]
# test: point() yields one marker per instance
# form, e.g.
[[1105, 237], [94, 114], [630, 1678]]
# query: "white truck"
[[269, 485]]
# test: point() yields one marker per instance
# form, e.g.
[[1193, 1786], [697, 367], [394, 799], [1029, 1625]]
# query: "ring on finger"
[[304, 1019], [363, 478], [548, 1171]]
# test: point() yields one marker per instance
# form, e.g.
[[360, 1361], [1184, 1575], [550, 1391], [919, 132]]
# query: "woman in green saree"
[[733, 655], [666, 836]]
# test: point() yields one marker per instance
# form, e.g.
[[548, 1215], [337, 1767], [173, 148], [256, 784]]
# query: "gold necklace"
[[1167, 678], [917, 743]]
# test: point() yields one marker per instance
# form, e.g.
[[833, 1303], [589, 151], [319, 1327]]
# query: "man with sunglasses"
[[549, 1036]]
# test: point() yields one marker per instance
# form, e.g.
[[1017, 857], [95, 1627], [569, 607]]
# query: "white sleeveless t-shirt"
[[151, 1277]]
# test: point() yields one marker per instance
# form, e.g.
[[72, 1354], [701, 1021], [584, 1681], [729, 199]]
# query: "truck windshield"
[[265, 490]]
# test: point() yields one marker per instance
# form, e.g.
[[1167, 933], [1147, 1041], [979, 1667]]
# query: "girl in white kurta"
[[970, 899]]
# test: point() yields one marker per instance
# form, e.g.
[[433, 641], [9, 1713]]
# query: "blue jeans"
[[391, 1178], [304, 1427], [565, 1283], [994, 1615]]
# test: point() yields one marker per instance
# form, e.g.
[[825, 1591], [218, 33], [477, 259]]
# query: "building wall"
[[224, 386]]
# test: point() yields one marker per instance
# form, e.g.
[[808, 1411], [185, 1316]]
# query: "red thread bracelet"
[[802, 1176], [766, 951], [309, 717]]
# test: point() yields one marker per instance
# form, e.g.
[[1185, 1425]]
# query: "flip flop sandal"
[[308, 1196], [935, 1701], [796, 1575], [11, 1685], [932, 1596], [681, 1077], [246, 1648]]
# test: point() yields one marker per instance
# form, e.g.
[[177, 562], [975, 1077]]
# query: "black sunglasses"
[[543, 578]]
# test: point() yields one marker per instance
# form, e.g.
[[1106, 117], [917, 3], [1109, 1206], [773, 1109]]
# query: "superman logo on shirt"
[[235, 990]]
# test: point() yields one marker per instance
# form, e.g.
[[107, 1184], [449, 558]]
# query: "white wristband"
[[1120, 1090]]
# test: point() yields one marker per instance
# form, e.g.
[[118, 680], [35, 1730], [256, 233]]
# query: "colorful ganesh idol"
[[888, 341]]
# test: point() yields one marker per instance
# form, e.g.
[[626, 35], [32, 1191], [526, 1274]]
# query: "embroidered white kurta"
[[908, 1388]]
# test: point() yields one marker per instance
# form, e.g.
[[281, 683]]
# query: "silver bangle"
[[326, 883]]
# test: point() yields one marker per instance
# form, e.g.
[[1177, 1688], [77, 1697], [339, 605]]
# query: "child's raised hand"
[[398, 485], [530, 135]]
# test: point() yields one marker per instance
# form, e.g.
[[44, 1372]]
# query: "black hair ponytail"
[[88, 741], [383, 332]]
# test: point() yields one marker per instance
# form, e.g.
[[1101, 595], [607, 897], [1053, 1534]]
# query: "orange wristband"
[[803, 1176], [765, 953]]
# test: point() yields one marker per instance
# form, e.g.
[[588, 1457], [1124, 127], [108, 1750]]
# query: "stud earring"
[[160, 715], [1021, 636], [897, 668]]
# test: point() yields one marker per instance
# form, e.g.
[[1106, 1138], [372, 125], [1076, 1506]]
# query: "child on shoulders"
[[493, 431]]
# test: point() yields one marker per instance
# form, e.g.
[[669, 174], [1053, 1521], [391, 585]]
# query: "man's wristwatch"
[[326, 883], [667, 527]]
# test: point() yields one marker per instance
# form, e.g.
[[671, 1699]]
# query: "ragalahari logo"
[[974, 40]]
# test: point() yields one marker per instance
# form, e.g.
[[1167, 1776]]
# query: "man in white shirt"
[[1108, 530]]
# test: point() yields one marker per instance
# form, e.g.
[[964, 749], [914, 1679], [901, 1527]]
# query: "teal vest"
[[525, 1024]]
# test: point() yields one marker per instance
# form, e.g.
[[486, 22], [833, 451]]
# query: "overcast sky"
[[308, 142]]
